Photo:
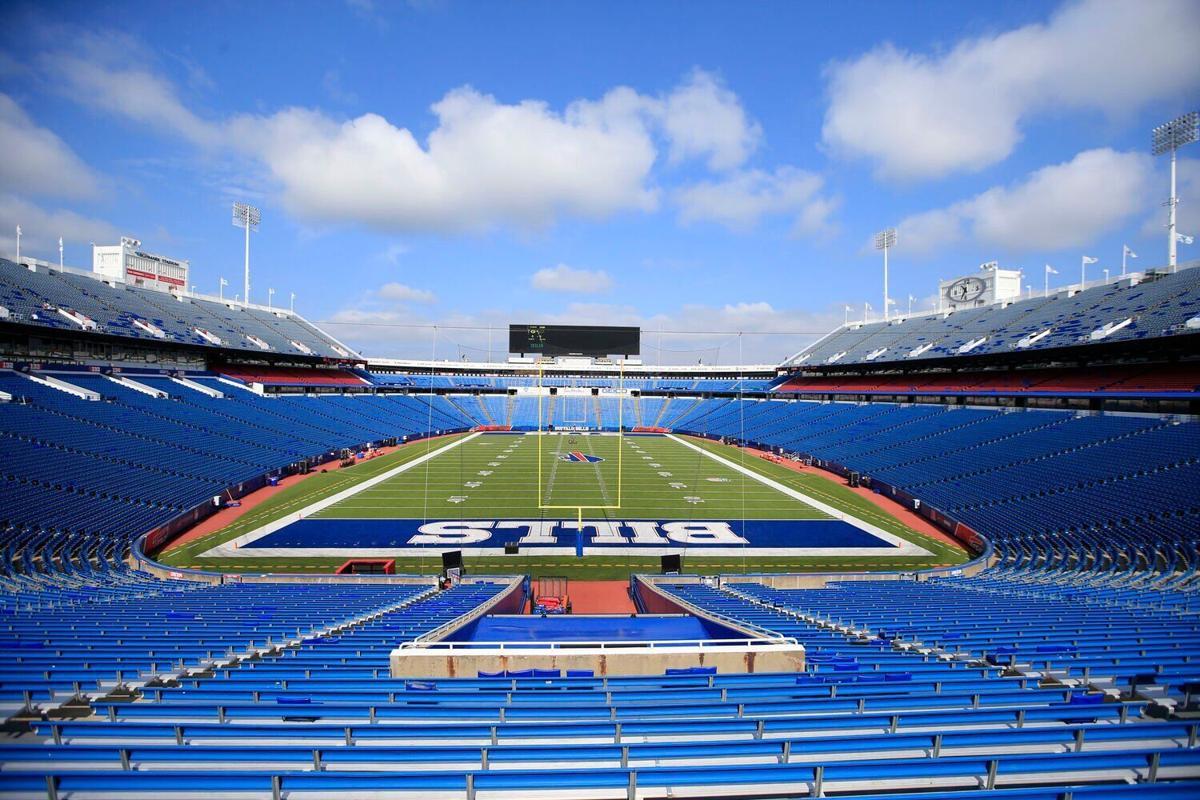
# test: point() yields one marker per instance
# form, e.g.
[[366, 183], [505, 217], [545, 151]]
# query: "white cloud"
[[1056, 207], [568, 279], [1065, 205], [485, 163], [923, 116], [383, 331], [40, 228], [392, 253], [98, 73], [36, 161], [742, 199], [704, 119], [401, 293], [930, 230], [814, 219]]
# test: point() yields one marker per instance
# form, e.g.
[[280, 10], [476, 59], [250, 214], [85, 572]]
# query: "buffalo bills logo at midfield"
[[579, 457]]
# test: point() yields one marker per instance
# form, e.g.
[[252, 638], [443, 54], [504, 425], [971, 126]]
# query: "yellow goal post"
[[541, 434]]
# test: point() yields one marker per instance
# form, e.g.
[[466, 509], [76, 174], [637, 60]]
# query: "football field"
[[494, 475], [583, 503]]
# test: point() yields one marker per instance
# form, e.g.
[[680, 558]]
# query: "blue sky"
[[700, 168]]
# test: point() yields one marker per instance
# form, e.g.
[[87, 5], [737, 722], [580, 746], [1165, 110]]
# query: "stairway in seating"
[[596, 412], [662, 411], [457, 403], [486, 414], [683, 412]]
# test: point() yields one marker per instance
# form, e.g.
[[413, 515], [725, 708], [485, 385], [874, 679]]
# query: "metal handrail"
[[599, 644]]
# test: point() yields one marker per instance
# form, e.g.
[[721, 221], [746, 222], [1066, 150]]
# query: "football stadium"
[[456, 544]]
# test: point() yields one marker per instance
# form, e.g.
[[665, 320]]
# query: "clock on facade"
[[966, 289]]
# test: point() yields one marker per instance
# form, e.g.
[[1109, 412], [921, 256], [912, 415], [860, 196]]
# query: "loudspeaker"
[[452, 560], [671, 564], [510, 549]]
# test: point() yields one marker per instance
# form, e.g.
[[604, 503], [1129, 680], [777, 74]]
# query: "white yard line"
[[906, 547], [599, 477], [549, 488], [231, 547]]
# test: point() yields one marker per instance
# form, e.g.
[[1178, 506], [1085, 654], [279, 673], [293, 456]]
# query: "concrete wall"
[[655, 602], [467, 662]]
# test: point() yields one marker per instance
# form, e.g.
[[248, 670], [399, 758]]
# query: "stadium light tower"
[[247, 217], [885, 240], [1168, 138], [18, 244]]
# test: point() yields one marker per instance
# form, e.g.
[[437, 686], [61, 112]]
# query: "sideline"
[[230, 547], [904, 546], [888, 505]]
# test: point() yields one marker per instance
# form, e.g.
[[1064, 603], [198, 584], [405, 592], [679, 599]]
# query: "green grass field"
[[496, 476]]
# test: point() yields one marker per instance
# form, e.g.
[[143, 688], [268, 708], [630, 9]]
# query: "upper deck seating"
[[36, 297], [1158, 307]]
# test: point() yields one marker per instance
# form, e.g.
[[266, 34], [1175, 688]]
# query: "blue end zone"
[[625, 534]]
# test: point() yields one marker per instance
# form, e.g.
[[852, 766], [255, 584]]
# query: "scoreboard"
[[574, 340]]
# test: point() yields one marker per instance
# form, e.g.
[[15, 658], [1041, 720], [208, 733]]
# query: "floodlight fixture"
[[244, 215], [1168, 138], [1176, 133], [249, 218], [884, 240]]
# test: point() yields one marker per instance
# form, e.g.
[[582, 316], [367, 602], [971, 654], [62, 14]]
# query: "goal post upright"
[[620, 428], [541, 497]]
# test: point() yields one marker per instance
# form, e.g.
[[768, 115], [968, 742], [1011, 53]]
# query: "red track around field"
[[600, 597], [226, 516]]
